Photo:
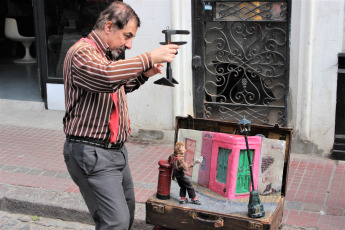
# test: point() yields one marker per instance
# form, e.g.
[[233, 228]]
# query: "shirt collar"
[[103, 46]]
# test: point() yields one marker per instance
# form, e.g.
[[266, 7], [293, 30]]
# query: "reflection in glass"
[[66, 22]]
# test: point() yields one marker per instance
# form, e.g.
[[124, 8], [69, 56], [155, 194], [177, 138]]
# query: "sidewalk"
[[34, 179]]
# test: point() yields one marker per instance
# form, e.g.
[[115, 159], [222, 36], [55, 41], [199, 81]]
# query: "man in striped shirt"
[[96, 122]]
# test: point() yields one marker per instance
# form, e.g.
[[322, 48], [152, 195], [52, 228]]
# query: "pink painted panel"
[[206, 152], [235, 143]]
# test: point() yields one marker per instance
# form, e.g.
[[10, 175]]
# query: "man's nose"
[[129, 44]]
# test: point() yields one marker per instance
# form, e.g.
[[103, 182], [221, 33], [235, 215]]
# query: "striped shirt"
[[90, 78]]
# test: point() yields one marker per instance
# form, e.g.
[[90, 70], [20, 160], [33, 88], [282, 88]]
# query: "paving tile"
[[22, 170], [291, 193], [285, 215], [320, 198], [292, 217], [151, 186], [335, 211], [324, 222], [342, 226], [9, 168], [335, 222], [302, 219], [310, 196], [35, 172], [50, 173], [312, 207], [293, 205], [313, 220], [63, 175]]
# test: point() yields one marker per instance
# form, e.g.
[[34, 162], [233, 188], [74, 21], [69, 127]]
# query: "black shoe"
[[184, 201], [196, 202]]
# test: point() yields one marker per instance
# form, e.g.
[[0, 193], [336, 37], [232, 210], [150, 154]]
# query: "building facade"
[[299, 82]]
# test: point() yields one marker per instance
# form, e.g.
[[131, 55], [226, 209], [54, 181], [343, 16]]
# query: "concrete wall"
[[316, 39], [153, 107], [343, 50], [55, 97]]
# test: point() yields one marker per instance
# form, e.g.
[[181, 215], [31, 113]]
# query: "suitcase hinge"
[[158, 208], [256, 226]]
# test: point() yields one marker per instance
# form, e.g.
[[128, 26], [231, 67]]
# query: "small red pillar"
[[164, 180]]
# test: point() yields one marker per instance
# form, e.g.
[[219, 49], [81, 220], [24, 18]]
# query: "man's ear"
[[108, 27]]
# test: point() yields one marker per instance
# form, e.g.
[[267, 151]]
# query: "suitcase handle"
[[219, 222]]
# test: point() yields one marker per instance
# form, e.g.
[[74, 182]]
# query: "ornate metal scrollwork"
[[251, 11], [245, 63], [258, 115]]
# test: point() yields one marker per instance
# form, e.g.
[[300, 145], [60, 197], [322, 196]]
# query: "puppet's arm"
[[187, 166]]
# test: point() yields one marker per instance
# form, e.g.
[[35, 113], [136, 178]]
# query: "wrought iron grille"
[[245, 62], [251, 11]]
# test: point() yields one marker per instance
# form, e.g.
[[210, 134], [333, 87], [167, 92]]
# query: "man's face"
[[182, 150], [120, 40]]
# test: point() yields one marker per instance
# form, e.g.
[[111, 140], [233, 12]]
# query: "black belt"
[[94, 142]]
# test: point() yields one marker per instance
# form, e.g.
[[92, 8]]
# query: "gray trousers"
[[105, 182]]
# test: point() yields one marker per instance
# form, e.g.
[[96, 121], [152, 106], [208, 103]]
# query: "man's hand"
[[156, 68], [164, 53]]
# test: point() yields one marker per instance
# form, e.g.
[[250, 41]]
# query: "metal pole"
[[250, 162]]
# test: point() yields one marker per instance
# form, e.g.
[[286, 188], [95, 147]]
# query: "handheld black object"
[[169, 80]]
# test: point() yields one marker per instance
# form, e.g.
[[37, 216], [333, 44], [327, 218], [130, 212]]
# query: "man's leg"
[[128, 189], [79, 178], [105, 172]]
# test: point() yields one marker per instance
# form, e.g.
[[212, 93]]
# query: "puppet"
[[179, 166]]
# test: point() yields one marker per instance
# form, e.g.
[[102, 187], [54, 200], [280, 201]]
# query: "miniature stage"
[[213, 202]]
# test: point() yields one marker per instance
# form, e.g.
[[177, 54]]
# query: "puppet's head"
[[179, 148]]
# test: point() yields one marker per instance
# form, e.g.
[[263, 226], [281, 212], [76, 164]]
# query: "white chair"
[[11, 32]]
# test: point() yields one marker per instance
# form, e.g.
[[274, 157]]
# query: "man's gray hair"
[[119, 14]]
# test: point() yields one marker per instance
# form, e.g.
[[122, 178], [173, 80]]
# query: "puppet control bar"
[[169, 80]]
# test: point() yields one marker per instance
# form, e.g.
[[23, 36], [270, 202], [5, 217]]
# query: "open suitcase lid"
[[273, 132]]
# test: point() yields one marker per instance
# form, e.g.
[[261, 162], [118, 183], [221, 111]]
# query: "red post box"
[[164, 180]]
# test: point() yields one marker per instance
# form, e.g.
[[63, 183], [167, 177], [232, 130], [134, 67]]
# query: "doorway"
[[18, 81], [241, 60]]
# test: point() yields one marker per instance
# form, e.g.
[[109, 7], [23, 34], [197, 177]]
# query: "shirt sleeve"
[[135, 83], [92, 72]]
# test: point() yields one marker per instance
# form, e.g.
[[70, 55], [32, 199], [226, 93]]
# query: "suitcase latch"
[[158, 208], [256, 226]]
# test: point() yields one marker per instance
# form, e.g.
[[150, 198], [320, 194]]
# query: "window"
[[222, 164], [66, 21]]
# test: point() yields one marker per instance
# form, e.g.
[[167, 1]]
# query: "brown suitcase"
[[170, 214]]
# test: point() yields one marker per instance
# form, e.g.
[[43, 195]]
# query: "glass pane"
[[251, 11], [66, 22]]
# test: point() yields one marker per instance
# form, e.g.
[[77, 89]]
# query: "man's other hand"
[[157, 68]]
